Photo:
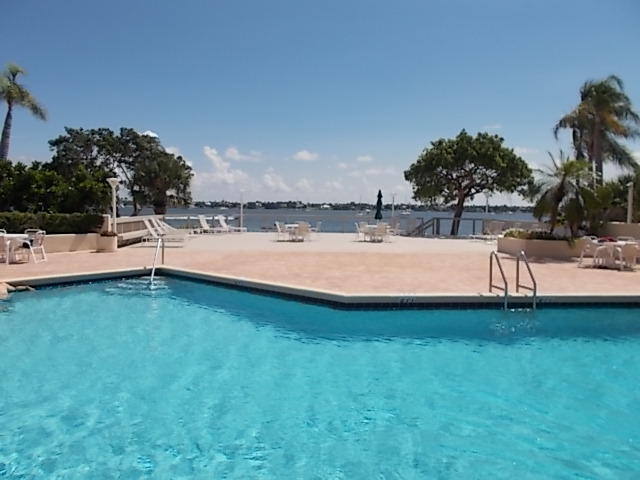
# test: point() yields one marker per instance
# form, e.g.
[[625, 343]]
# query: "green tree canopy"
[[454, 170], [150, 174], [15, 94], [603, 117]]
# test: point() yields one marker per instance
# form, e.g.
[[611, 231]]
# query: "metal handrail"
[[493, 255], [155, 258], [534, 288]]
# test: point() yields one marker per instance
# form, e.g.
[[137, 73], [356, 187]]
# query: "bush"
[[51, 222], [533, 235]]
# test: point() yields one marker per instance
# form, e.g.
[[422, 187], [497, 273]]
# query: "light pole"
[[113, 181], [630, 202], [241, 209], [393, 204]]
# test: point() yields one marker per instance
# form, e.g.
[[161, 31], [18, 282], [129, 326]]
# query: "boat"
[[405, 212], [325, 207]]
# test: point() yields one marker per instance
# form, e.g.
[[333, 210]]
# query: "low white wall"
[[71, 242], [619, 229], [558, 249]]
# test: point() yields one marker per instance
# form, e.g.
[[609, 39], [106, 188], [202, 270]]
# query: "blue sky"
[[315, 101]]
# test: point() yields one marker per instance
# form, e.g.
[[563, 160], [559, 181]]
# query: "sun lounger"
[[205, 228], [154, 235], [227, 228]]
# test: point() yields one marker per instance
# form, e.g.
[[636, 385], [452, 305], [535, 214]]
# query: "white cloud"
[[275, 182], [492, 126], [150, 133], [305, 156], [304, 185], [333, 185], [343, 166], [364, 158], [176, 151], [232, 153], [222, 171], [373, 172], [524, 151]]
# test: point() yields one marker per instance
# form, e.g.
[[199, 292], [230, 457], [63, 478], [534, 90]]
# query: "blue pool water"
[[114, 380]]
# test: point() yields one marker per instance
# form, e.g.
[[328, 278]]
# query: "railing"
[[505, 287], [155, 258], [441, 226], [534, 287]]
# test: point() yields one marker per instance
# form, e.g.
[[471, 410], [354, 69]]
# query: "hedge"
[[15, 222]]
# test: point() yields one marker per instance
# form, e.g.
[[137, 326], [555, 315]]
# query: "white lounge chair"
[[223, 223], [205, 228], [629, 253], [154, 235], [165, 229], [626, 239]]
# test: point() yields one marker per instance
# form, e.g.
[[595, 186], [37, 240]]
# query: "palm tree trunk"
[[6, 133], [596, 147]]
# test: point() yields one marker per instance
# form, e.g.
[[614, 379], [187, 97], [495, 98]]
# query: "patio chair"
[[281, 232], [364, 228], [35, 244], [4, 246], [300, 233], [205, 228], [589, 248], [316, 229], [223, 224], [359, 233], [381, 233], [629, 253], [165, 229], [154, 235]]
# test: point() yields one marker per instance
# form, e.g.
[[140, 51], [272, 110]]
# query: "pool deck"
[[337, 264]]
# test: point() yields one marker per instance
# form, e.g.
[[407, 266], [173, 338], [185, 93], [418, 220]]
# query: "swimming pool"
[[189, 380]]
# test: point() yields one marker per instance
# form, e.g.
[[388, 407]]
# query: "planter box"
[[557, 249], [71, 242], [107, 244]]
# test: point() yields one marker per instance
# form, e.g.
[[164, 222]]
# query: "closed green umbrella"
[[378, 215]]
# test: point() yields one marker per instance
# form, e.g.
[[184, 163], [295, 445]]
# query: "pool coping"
[[357, 300]]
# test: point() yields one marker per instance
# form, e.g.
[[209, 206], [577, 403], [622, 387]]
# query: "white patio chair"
[[35, 244], [380, 233], [165, 229], [364, 228], [154, 235], [359, 233], [4, 246], [205, 228], [630, 253], [281, 232], [301, 232], [229, 228], [588, 248], [316, 229]]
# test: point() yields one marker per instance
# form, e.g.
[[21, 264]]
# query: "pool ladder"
[[505, 284], [155, 258]]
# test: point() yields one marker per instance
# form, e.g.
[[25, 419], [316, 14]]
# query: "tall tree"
[[15, 95], [563, 188], [603, 117], [454, 170]]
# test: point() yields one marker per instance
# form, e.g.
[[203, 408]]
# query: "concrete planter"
[[557, 249], [107, 244]]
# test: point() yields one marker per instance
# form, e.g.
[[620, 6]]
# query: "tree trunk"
[[6, 133], [596, 147], [160, 208], [455, 224]]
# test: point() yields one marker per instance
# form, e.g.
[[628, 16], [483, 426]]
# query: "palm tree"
[[562, 188], [15, 95], [603, 116]]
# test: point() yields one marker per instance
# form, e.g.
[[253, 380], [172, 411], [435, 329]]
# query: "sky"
[[314, 101]]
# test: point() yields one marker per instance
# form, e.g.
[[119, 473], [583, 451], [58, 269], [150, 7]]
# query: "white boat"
[[325, 207], [405, 212]]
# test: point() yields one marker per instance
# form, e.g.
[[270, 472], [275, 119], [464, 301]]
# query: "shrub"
[[51, 222], [533, 235]]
